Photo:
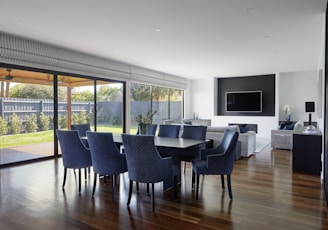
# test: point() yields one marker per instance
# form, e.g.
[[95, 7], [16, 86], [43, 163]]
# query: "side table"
[[307, 151]]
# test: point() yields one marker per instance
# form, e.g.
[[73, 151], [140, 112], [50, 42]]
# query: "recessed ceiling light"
[[157, 30], [249, 10]]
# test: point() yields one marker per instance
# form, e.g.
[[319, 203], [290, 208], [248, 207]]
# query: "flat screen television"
[[244, 101]]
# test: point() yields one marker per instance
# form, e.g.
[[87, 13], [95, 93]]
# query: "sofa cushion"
[[298, 126], [243, 129], [289, 127]]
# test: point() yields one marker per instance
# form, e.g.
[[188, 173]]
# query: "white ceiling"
[[197, 38]]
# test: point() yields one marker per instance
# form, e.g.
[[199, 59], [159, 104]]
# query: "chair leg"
[[197, 185], [229, 186], [152, 198], [65, 174], [175, 179], [113, 184], [137, 186], [222, 182], [130, 192], [147, 188], [116, 179], [192, 180], [79, 180], [184, 168], [85, 173], [94, 183]]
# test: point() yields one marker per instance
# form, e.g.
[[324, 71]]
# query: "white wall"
[[293, 88]]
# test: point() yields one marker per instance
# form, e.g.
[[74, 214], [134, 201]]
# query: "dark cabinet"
[[307, 150]]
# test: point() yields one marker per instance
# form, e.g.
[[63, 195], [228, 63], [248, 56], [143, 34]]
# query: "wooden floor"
[[267, 195]]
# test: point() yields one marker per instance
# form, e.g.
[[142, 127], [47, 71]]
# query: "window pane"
[[176, 105], [160, 99], [166, 102], [109, 107], [26, 115], [140, 96]]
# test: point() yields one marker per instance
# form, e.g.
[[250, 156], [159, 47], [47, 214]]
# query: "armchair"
[[150, 129], [196, 133], [106, 158], [169, 131], [82, 130], [74, 154], [217, 161], [145, 165]]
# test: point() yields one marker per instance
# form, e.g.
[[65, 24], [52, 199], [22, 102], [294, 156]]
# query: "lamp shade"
[[309, 106]]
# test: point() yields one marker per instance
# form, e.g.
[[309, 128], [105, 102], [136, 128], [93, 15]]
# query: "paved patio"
[[26, 152]]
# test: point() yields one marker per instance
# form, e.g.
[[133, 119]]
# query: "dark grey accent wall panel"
[[265, 83]]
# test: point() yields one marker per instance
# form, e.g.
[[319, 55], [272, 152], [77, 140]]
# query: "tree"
[[159, 93], [35, 92], [140, 92], [107, 93], [85, 95]]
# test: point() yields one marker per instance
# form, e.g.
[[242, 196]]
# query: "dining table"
[[170, 147]]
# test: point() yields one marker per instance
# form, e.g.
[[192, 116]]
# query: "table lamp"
[[309, 107]]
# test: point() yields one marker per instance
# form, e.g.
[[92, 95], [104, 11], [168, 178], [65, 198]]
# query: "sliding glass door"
[[26, 115], [27, 110]]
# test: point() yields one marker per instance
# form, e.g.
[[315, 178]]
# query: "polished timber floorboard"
[[267, 195]]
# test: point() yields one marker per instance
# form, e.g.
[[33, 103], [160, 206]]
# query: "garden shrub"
[[3, 126], [31, 124], [43, 122], [62, 122], [15, 124]]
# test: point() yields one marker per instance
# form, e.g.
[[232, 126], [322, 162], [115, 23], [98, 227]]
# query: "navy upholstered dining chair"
[[169, 131], [195, 133], [106, 158], [74, 153], [82, 130], [145, 165], [150, 129], [217, 161]]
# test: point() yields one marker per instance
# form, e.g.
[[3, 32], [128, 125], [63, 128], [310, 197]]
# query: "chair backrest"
[[81, 128], [74, 153], [105, 156], [150, 129], [223, 161], [169, 131], [143, 160], [227, 140], [194, 132]]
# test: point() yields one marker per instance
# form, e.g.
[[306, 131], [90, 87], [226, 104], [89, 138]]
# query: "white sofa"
[[283, 139], [247, 139]]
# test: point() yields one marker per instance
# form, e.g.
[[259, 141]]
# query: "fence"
[[25, 107]]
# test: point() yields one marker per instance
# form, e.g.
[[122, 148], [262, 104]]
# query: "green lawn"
[[26, 138], [7, 141]]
